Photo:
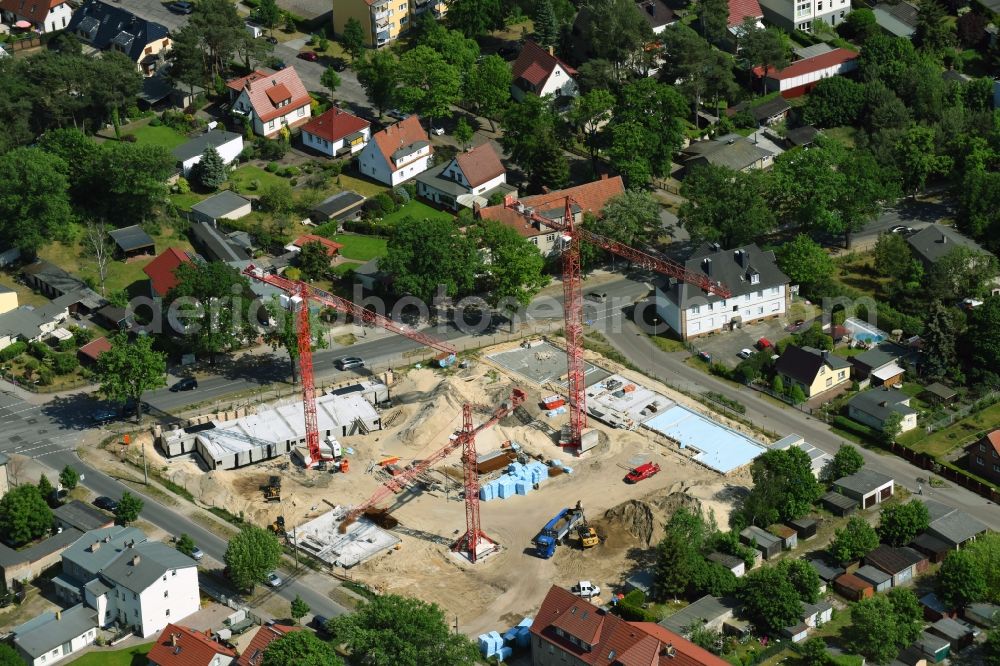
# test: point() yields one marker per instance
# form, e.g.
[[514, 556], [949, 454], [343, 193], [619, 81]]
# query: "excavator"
[[588, 535], [277, 528], [272, 491]]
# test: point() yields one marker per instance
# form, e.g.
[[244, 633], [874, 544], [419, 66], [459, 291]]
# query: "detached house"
[[470, 178], [873, 408], [180, 646], [42, 15], [397, 153], [537, 71], [801, 14], [588, 198], [229, 145], [270, 101], [254, 654], [109, 28], [812, 370], [759, 291], [336, 132], [983, 457]]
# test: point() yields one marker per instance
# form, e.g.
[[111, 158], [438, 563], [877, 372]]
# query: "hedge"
[[13, 351]]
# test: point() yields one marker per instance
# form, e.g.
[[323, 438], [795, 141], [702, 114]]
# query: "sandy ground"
[[509, 584]]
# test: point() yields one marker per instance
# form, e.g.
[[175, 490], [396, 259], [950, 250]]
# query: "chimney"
[[107, 539], [94, 547], [604, 176], [825, 354], [706, 264], [669, 650], [58, 615], [552, 51], [944, 239], [545, 189], [135, 561]]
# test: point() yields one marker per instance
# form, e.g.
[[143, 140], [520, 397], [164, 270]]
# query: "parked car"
[[338, 64], [437, 131], [705, 356], [397, 114], [586, 589], [186, 384], [197, 554], [901, 229], [106, 503], [642, 472], [102, 416], [271, 39], [278, 65], [319, 623], [274, 580], [745, 353], [794, 327], [181, 7], [598, 296], [763, 344], [311, 56], [349, 362]]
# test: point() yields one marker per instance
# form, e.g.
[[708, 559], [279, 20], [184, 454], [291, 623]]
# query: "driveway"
[[724, 347]]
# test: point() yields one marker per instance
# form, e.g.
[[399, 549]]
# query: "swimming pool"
[[864, 331]]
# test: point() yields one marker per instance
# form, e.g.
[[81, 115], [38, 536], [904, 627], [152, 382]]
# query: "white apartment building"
[[800, 14], [759, 291]]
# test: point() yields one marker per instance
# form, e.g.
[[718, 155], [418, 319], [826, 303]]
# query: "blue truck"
[[556, 530]]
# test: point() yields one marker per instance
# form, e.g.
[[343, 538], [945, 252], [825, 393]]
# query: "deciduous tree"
[[282, 331], [474, 17], [129, 369], [899, 523], [379, 75], [463, 132], [423, 254], [513, 274], [713, 18], [725, 206], [847, 461], [128, 509], [267, 14], [330, 79], [961, 580], [300, 648], [251, 555], [590, 113], [298, 608], [764, 48], [391, 629], [353, 38], [909, 614], [68, 478], [9, 656], [24, 515], [130, 180], [430, 85], [313, 260], [853, 541], [612, 30], [487, 87], [874, 632], [784, 487], [803, 578], [185, 544], [834, 101], [983, 343], [805, 262], [813, 651], [34, 201], [770, 599], [918, 158]]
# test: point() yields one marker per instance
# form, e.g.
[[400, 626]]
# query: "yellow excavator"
[[588, 535], [272, 491]]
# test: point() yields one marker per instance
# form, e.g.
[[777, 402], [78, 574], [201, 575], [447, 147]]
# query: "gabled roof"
[[772, 107], [734, 268], [253, 655], [879, 403], [704, 610], [803, 363], [852, 582], [863, 482], [810, 65], [34, 10], [873, 358], [220, 204], [197, 146], [219, 248], [161, 270], [956, 528], [731, 151], [180, 646], [874, 576], [934, 242], [656, 13], [802, 136], [335, 124], [535, 65], [339, 204], [332, 248], [138, 567], [400, 140], [590, 197], [95, 348], [613, 641], [267, 91], [741, 9], [48, 631], [992, 440], [480, 165], [111, 25], [824, 569]]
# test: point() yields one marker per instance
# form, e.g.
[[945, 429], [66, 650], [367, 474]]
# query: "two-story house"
[[383, 21], [397, 153], [815, 371], [759, 291], [336, 132], [588, 198], [181, 646], [41, 15], [538, 71], [983, 457], [270, 101], [139, 584], [873, 408], [470, 178], [109, 28], [801, 14]]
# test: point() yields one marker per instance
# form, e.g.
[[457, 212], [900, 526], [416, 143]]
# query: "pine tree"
[[46, 489], [546, 24], [211, 170], [939, 338]]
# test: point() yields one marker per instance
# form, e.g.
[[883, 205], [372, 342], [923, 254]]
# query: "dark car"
[[338, 64], [311, 56], [319, 623], [186, 384], [278, 65], [105, 503], [181, 7], [349, 362], [507, 51], [598, 296], [102, 416]]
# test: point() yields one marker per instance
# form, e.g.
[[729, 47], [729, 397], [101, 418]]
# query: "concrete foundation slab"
[[719, 447], [321, 538], [622, 403], [543, 362]]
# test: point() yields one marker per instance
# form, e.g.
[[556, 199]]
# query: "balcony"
[[382, 26]]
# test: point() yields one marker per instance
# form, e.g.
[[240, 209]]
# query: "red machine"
[[573, 300], [642, 472], [466, 438], [303, 293]]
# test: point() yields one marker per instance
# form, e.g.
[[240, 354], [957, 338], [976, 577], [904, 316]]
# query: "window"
[[166, 593], [746, 297], [174, 572], [996, 468], [696, 309], [135, 595], [979, 460], [302, 111], [168, 612], [760, 310], [982, 447], [840, 375], [995, 454]]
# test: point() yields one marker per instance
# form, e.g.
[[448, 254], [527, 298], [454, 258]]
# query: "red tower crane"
[[301, 294], [465, 438], [573, 298]]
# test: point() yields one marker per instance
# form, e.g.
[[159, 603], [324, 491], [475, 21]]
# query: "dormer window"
[[754, 278]]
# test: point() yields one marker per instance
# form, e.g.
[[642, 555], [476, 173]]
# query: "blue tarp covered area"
[[719, 447]]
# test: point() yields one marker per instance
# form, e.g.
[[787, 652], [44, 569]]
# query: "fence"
[[980, 404], [928, 462], [19, 44]]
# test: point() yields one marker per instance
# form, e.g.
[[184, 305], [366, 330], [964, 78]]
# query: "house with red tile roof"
[[472, 177], [983, 457], [41, 15], [254, 654], [571, 630], [587, 198], [336, 131], [397, 153], [332, 248], [270, 101], [802, 75], [161, 270], [538, 71], [180, 646], [739, 10]]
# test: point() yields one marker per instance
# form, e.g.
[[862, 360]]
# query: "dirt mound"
[[645, 521]]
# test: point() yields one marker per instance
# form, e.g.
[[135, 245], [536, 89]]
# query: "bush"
[[254, 185], [39, 350], [271, 149], [852, 426], [334, 168], [12, 351], [155, 122], [271, 167], [64, 364], [67, 345], [130, 138], [182, 186], [401, 196], [45, 376], [293, 182], [288, 171]]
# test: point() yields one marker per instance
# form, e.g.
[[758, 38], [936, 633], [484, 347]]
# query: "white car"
[[274, 580], [745, 353], [586, 589], [197, 554], [437, 131]]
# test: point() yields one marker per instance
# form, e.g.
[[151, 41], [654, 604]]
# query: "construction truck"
[[277, 527], [272, 491], [555, 531]]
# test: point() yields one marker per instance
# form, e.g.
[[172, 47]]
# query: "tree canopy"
[[853, 541], [899, 523], [425, 254], [725, 206], [34, 199], [961, 580], [251, 555], [845, 462], [770, 598], [300, 648], [784, 488], [805, 262], [128, 509], [24, 515], [130, 368]]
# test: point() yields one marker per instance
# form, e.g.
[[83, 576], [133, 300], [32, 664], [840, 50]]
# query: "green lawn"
[[362, 186], [161, 135], [361, 248], [186, 201], [418, 210], [242, 177], [341, 269], [941, 442], [133, 656]]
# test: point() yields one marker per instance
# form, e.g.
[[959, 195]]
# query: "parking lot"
[[725, 347]]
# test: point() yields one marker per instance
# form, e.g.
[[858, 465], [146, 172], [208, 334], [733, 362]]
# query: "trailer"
[[555, 531]]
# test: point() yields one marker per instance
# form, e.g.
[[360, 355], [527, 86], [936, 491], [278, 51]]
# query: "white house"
[[51, 637], [469, 178], [229, 145], [537, 71], [143, 585], [397, 153], [336, 131], [759, 291], [800, 14], [873, 407], [270, 101], [43, 15]]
